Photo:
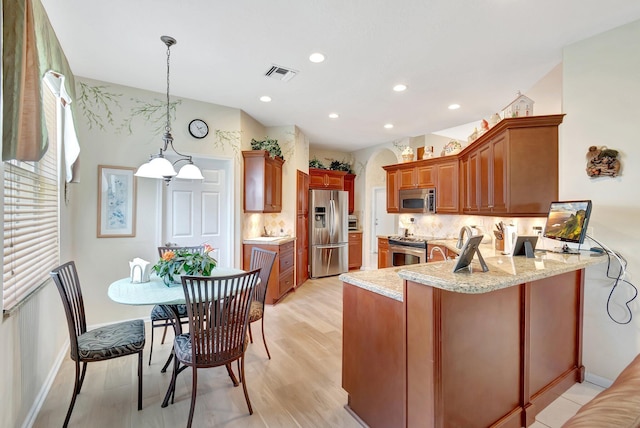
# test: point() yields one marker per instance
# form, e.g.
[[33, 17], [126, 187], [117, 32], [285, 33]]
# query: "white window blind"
[[31, 247]]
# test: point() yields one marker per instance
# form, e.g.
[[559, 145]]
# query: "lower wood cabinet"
[[383, 253], [355, 250], [282, 276]]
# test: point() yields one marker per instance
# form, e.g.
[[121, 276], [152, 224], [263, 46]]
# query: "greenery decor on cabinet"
[[315, 163], [269, 145], [341, 166]]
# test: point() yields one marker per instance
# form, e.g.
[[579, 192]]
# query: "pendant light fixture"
[[158, 166]]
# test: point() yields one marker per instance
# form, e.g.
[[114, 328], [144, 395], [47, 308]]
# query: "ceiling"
[[477, 53]]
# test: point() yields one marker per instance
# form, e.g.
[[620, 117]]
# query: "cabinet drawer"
[[286, 256], [286, 281]]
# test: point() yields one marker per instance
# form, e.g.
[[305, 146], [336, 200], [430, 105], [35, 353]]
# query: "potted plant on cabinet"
[[270, 145]]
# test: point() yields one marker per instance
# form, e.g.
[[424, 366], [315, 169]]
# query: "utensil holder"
[[500, 244]]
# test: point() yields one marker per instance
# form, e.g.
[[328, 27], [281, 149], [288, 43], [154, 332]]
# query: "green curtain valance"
[[30, 49]]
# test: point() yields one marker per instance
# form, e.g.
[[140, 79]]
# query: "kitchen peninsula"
[[424, 347]]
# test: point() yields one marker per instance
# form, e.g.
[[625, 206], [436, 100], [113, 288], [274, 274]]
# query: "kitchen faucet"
[[469, 233]]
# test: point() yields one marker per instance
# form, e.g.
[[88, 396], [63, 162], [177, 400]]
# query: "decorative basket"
[[407, 157]]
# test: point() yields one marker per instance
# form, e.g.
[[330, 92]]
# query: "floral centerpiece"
[[173, 264]]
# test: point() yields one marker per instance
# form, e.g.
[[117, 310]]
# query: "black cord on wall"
[[617, 279]]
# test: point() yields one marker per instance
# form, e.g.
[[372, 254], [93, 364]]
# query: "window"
[[31, 215]]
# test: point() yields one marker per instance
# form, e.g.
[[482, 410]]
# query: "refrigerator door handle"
[[323, 247], [332, 213]]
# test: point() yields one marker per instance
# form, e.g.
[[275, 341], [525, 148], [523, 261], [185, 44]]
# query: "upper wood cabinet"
[[393, 205], [262, 182], [447, 186], [513, 168], [441, 173], [419, 176], [350, 186], [326, 179]]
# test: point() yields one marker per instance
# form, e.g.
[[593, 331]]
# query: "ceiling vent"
[[281, 73]]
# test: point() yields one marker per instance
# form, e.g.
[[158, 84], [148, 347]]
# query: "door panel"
[[196, 212]]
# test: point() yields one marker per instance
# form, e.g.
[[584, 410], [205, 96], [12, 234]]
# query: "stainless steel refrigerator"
[[328, 234]]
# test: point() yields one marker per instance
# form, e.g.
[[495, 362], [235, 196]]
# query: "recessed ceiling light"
[[454, 106], [316, 57], [265, 99], [334, 115], [400, 87], [388, 125]]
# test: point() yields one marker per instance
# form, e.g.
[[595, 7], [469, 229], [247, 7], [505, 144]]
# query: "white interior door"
[[198, 212], [382, 222]]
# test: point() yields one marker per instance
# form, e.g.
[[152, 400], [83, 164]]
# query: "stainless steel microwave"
[[418, 200]]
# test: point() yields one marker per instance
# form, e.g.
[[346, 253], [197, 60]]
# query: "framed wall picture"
[[116, 202]]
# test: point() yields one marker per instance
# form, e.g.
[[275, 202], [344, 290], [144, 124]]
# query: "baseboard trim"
[[597, 380], [46, 387]]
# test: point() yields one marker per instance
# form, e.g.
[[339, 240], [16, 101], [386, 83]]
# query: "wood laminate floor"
[[299, 387]]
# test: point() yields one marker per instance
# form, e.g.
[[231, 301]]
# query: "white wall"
[[601, 79]]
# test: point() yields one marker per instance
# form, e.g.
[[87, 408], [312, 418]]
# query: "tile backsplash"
[[448, 226]]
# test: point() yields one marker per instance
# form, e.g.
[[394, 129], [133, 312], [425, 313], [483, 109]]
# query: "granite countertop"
[[269, 240], [503, 272]]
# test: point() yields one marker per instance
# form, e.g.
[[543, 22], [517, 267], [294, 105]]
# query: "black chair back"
[[218, 310], [66, 279]]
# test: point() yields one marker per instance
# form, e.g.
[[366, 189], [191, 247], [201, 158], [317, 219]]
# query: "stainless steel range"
[[407, 250]]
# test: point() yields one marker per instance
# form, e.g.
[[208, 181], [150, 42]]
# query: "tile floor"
[[558, 412]]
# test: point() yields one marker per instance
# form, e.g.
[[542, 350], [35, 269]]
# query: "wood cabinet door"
[[316, 181], [473, 183], [383, 253], [447, 187], [485, 179], [334, 182], [349, 186], [393, 205], [269, 191], [302, 228], [498, 174], [407, 178], [355, 250], [425, 176]]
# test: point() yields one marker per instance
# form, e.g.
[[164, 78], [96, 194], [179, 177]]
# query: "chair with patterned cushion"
[[263, 260], [159, 318], [103, 343], [218, 309]]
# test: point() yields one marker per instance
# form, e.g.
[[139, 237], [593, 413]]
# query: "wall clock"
[[198, 128]]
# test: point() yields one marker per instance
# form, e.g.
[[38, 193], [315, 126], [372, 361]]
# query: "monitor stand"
[[528, 249], [565, 250]]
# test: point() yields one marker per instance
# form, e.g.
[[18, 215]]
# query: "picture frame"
[[116, 202]]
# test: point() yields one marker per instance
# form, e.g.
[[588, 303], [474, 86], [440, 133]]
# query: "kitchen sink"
[[266, 238]]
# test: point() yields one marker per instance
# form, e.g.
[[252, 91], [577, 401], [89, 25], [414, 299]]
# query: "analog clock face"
[[198, 128]]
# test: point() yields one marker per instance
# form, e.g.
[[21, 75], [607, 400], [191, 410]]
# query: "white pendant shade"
[[156, 168], [190, 172]]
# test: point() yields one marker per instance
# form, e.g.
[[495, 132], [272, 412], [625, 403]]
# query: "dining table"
[[156, 292]]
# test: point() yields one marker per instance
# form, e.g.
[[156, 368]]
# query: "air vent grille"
[[281, 73]]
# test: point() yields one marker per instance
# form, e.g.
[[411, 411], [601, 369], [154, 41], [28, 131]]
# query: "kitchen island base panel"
[[373, 357], [464, 359], [463, 352]]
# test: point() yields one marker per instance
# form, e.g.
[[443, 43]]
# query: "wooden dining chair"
[[218, 313], [102, 343], [263, 260], [159, 316]]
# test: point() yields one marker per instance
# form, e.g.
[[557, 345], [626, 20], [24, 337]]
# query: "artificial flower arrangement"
[[173, 264]]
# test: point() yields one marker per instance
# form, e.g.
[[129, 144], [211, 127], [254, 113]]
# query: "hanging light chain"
[[168, 127]]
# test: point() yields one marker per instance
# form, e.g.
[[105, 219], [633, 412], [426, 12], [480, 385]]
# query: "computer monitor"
[[567, 221]]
